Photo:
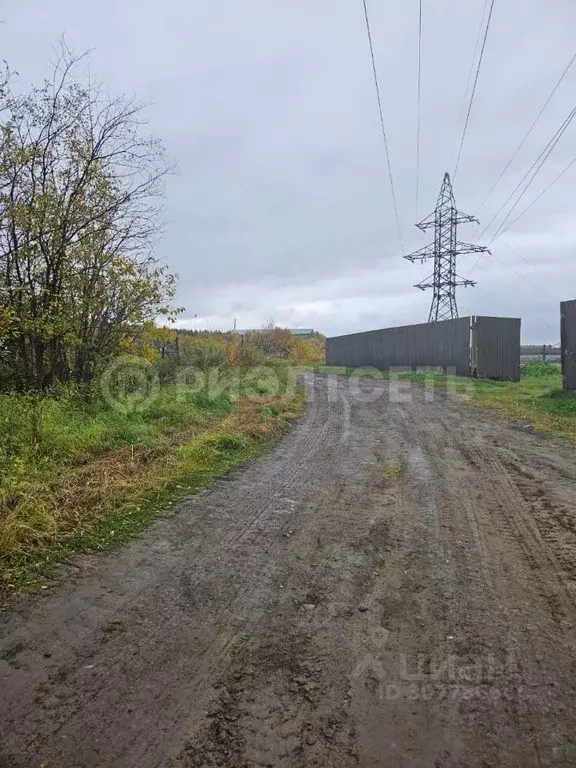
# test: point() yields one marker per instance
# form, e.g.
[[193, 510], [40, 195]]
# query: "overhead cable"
[[419, 109], [534, 169], [528, 132], [474, 87], [381, 110]]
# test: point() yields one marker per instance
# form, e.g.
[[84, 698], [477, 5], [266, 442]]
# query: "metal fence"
[[428, 344], [568, 343], [486, 346], [495, 343]]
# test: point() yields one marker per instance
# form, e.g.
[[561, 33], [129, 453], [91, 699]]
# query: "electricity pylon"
[[444, 251]]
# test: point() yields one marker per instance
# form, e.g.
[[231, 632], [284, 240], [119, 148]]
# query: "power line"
[[545, 285], [470, 71], [474, 87], [536, 172], [498, 305], [381, 110], [514, 288], [539, 288], [520, 256], [517, 273], [558, 177], [529, 131], [487, 297], [542, 157], [418, 117]]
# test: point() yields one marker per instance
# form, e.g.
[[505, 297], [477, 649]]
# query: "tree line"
[[80, 189]]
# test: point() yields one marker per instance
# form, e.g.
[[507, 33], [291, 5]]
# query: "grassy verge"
[[537, 399], [95, 479]]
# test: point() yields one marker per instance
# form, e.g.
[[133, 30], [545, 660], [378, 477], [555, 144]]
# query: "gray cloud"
[[281, 205]]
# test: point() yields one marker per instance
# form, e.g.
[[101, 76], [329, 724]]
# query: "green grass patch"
[[540, 369], [538, 400], [37, 567], [90, 478], [393, 472]]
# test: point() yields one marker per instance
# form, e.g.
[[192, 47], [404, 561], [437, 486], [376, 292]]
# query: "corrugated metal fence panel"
[[496, 343], [568, 342], [445, 344]]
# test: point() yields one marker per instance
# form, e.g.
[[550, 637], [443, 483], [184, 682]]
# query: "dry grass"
[[111, 497]]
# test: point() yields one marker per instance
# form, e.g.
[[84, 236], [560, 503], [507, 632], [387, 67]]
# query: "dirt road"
[[392, 585]]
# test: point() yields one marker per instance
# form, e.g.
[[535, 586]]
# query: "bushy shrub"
[[540, 368], [168, 368], [272, 342], [258, 347], [204, 358], [200, 358], [242, 353]]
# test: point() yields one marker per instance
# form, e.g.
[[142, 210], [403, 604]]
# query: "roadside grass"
[[77, 477], [537, 399]]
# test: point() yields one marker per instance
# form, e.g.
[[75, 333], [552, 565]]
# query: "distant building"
[[302, 331], [170, 349], [293, 331]]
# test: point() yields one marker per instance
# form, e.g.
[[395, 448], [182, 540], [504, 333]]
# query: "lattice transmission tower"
[[444, 251]]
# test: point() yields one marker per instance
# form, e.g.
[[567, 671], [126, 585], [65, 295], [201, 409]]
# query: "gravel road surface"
[[394, 584]]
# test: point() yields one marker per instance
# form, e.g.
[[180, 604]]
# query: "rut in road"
[[393, 584]]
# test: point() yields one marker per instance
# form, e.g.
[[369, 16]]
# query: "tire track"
[[416, 547]]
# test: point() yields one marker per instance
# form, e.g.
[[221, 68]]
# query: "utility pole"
[[444, 251]]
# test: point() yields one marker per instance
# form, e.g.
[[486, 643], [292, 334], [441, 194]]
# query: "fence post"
[[568, 343], [473, 350], [544, 352]]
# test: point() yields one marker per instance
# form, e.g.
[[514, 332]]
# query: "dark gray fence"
[[496, 347], [568, 343], [427, 344], [489, 346]]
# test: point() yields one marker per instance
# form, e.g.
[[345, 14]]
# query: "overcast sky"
[[281, 206]]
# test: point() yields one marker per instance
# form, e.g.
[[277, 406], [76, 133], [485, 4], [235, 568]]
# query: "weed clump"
[[78, 474], [539, 369]]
